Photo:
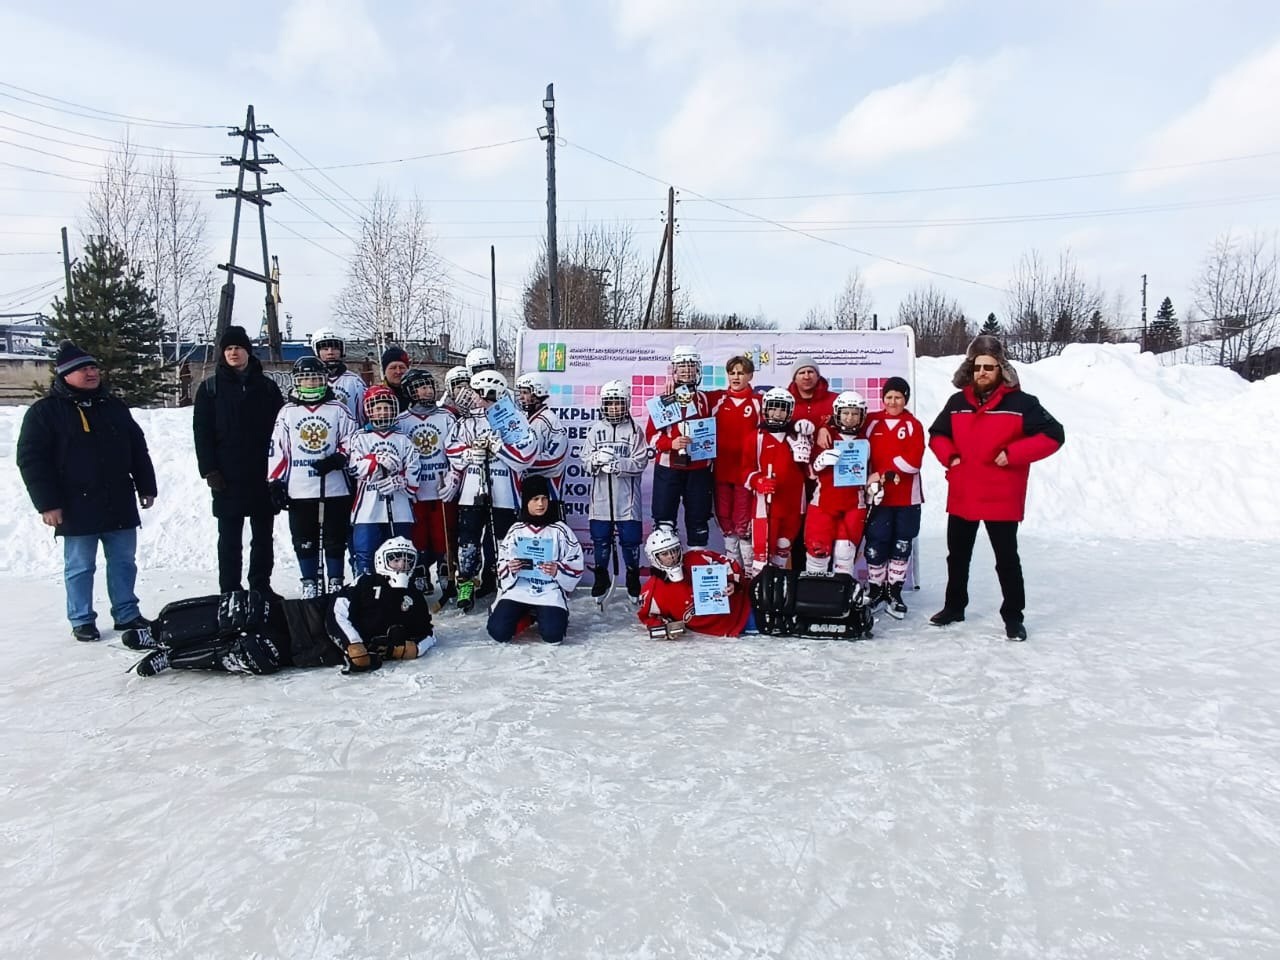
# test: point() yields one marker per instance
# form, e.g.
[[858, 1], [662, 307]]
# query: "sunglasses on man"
[[986, 366]]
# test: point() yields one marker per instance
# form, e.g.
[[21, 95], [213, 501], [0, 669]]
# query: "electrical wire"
[[105, 115]]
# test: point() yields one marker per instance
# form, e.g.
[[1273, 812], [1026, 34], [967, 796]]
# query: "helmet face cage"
[[309, 380], [849, 411], [686, 365], [665, 552], [532, 391], [778, 411], [395, 560], [615, 402], [381, 408], [416, 380], [327, 338], [489, 385]]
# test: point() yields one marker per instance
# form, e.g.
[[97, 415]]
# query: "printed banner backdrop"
[[578, 362]]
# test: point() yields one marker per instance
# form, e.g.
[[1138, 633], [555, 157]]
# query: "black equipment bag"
[[772, 599], [788, 603], [184, 621]]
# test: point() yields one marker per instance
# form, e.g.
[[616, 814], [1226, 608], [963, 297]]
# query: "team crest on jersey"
[[313, 434], [426, 440], [406, 604]]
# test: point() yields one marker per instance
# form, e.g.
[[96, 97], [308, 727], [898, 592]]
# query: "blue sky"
[[753, 99]]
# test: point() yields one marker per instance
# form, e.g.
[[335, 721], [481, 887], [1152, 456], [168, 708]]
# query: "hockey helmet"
[[665, 552], [395, 560], [533, 391], [310, 380], [489, 385], [686, 365], [327, 337], [615, 401], [776, 407], [381, 407], [848, 411], [480, 358], [417, 379]]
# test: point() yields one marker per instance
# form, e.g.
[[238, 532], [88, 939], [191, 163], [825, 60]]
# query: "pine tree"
[[114, 319], [1164, 332], [991, 328]]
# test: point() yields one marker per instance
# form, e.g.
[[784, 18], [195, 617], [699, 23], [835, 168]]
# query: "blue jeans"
[[79, 562]]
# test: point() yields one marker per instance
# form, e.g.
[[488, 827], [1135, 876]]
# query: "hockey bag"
[[788, 603]]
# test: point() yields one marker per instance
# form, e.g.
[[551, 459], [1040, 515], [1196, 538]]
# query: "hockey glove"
[[389, 486], [875, 493], [826, 459], [600, 459], [763, 484], [478, 455], [279, 495], [334, 461], [495, 443], [803, 428], [801, 445], [360, 659]]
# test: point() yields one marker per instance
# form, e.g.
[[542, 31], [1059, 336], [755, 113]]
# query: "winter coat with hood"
[[234, 415], [977, 428], [82, 452], [818, 408]]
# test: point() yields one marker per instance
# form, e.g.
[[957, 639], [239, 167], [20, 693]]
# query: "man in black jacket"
[[85, 464], [234, 413]]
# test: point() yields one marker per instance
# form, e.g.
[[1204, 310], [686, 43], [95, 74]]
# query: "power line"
[[144, 150], [420, 156], [105, 115]]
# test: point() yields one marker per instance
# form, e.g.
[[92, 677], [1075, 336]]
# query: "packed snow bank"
[[1152, 452]]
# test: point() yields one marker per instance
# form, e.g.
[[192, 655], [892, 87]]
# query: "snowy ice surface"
[[1110, 789]]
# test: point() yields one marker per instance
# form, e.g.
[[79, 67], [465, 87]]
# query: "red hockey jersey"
[[663, 600], [737, 422], [828, 496], [897, 446]]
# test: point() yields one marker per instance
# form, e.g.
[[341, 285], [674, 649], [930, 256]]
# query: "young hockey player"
[[434, 515], [677, 478], [536, 589], [383, 616], [895, 492], [783, 449], [666, 603], [386, 467], [379, 617], [480, 358], [615, 456], [737, 413], [306, 474], [834, 525], [348, 387], [553, 439], [490, 490]]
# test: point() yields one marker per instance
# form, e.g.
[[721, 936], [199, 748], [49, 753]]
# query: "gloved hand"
[[397, 635], [478, 455], [360, 659], [826, 459], [334, 461], [389, 485], [600, 457], [803, 428], [610, 467], [874, 492], [766, 485], [216, 481], [495, 443], [801, 447], [279, 495]]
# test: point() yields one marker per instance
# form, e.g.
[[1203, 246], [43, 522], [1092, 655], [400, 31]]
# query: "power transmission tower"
[[251, 133]]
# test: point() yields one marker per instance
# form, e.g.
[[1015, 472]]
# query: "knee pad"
[[845, 554], [468, 560], [901, 550], [874, 556], [813, 563], [253, 653], [783, 544]]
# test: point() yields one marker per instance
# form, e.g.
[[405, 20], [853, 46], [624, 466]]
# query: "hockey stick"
[[324, 573], [448, 562], [761, 528], [613, 548]]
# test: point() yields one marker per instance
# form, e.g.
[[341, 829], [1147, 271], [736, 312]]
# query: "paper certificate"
[[710, 589], [851, 468], [664, 411], [703, 434], [536, 550], [509, 422]]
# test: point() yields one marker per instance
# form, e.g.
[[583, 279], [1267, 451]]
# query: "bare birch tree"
[[396, 280], [1238, 290], [117, 203], [850, 310], [603, 278], [938, 320], [1049, 308], [178, 255]]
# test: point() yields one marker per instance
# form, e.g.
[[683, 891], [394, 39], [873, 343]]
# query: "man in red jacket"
[[987, 436], [814, 403]]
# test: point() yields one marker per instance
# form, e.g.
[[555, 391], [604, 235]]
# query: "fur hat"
[[235, 336], [71, 358], [984, 345], [802, 361], [392, 354]]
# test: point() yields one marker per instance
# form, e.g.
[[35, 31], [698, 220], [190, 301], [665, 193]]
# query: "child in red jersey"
[[737, 413], [666, 603], [783, 450], [837, 515]]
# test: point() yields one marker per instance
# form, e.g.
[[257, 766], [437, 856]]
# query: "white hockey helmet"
[[686, 364], [776, 408], [489, 385], [537, 391], [480, 358], [395, 560], [615, 401], [457, 386], [846, 402], [328, 337], [665, 552]]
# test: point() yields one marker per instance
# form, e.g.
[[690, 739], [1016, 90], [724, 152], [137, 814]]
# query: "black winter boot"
[[945, 616]]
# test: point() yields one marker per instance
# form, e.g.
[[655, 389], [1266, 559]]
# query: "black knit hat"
[[235, 336], [537, 486], [899, 384], [392, 354], [71, 358]]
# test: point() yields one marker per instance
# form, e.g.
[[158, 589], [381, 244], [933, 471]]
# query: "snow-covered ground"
[[1109, 789]]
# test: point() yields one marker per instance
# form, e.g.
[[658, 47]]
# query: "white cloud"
[[917, 115], [335, 40], [1236, 117], [487, 125], [669, 19]]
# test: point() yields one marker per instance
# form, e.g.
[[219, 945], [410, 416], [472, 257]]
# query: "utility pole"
[[251, 133], [66, 270], [1143, 347], [657, 272], [493, 296], [671, 254], [548, 133]]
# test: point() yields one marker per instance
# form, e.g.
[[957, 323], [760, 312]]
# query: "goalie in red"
[[666, 603]]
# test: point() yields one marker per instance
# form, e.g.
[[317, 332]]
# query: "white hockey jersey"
[[553, 446], [348, 388], [544, 593], [429, 430], [498, 473], [385, 467], [303, 435], [630, 459]]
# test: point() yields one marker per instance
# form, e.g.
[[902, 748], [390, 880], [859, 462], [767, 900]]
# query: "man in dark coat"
[[85, 464], [987, 436], [234, 413]]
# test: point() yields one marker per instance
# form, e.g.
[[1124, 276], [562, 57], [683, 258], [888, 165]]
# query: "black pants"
[[1003, 535], [231, 550], [304, 527], [475, 540]]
